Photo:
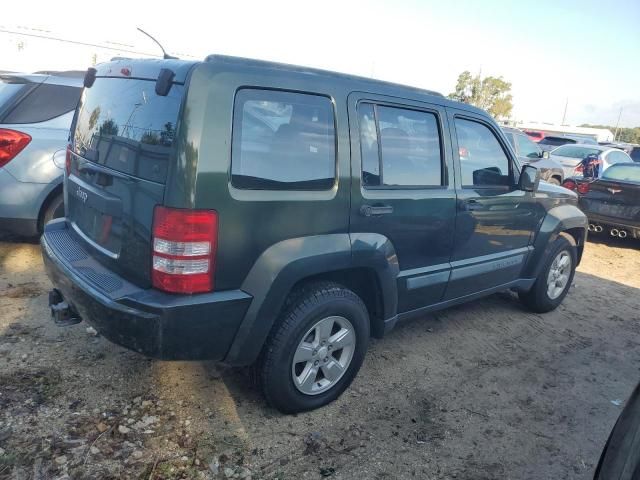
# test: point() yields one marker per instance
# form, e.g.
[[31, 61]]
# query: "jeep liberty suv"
[[263, 214]]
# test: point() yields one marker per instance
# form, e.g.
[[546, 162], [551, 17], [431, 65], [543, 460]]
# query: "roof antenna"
[[165, 55]]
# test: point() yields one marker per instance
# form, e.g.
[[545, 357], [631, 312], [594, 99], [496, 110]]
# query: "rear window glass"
[[572, 151], [44, 103], [124, 125], [283, 141], [556, 141], [625, 173]]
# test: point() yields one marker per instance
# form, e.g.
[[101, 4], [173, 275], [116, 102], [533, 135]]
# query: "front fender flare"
[[558, 220]]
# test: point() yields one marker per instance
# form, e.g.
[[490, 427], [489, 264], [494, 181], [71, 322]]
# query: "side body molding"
[[558, 219], [284, 264]]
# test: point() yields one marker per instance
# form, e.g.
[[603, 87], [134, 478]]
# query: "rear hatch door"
[[121, 148]]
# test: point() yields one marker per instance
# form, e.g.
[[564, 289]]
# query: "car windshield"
[[573, 151], [626, 172]]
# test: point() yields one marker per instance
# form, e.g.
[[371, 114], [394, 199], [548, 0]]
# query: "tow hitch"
[[61, 312]]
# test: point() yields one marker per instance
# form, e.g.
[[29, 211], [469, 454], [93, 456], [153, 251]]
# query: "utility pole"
[[564, 115], [615, 135]]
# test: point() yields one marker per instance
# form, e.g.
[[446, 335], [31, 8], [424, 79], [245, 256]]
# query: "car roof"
[[602, 148], [70, 78]]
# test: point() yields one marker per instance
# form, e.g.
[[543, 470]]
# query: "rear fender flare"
[[281, 267]]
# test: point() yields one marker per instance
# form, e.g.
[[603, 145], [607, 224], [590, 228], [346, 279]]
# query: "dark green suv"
[[263, 214]]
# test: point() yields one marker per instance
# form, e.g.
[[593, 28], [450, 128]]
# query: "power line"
[[76, 42]]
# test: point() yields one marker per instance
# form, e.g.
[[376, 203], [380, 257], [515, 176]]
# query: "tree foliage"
[[489, 93], [627, 135]]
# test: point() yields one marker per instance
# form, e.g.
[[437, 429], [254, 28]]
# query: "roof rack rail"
[[300, 68]]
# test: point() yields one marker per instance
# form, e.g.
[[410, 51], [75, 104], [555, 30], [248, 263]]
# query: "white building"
[[598, 134]]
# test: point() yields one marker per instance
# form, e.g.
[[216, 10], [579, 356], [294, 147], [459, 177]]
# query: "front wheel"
[[316, 349], [554, 280]]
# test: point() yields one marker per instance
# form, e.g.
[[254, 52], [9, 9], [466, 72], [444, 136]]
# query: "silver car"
[[570, 156], [36, 111], [530, 153]]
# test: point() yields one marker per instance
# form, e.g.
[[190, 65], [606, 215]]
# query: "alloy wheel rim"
[[559, 273], [323, 355]]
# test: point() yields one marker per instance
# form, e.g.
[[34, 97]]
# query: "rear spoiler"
[[163, 82]]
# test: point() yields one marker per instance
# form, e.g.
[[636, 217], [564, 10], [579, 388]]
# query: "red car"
[[534, 135]]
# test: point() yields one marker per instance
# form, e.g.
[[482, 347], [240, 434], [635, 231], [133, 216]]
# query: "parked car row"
[[35, 115], [611, 202]]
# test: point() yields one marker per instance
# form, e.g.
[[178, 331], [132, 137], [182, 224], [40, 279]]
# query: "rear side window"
[[44, 103], [283, 141], [399, 147], [483, 162]]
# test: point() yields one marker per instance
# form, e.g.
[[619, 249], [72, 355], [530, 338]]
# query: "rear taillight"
[[67, 161], [184, 249], [11, 144], [570, 184], [583, 188]]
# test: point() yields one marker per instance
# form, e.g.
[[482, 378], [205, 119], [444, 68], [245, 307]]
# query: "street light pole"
[[615, 135]]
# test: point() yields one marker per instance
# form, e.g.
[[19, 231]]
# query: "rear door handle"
[[374, 211]]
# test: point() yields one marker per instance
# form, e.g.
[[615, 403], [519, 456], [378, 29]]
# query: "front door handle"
[[374, 211]]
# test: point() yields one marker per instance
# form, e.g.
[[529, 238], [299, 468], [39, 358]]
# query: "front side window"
[[283, 141], [400, 147], [526, 147], [483, 162]]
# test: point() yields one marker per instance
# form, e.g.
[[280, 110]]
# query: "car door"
[[403, 190], [496, 221]]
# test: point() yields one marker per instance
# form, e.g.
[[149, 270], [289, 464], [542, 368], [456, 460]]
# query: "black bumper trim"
[[159, 325]]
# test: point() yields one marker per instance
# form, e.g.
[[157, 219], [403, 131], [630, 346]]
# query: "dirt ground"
[[482, 391]]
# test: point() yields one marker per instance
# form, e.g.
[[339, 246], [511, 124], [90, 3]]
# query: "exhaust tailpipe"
[[597, 229], [622, 234], [614, 232], [592, 227]]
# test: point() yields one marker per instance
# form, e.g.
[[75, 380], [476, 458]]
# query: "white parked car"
[[570, 156]]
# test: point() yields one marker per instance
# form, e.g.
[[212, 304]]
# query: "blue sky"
[[585, 51]]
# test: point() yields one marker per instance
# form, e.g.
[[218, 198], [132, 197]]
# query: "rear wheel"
[[53, 209], [316, 349], [554, 279]]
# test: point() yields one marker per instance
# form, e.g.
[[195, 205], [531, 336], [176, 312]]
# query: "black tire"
[[620, 458], [537, 299], [302, 311], [53, 209]]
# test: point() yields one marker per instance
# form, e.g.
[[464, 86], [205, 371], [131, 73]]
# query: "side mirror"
[[545, 154], [529, 179]]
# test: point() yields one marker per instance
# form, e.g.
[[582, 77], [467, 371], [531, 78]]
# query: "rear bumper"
[[159, 325], [19, 226], [632, 229]]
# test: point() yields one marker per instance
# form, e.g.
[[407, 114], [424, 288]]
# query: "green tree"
[[489, 93]]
